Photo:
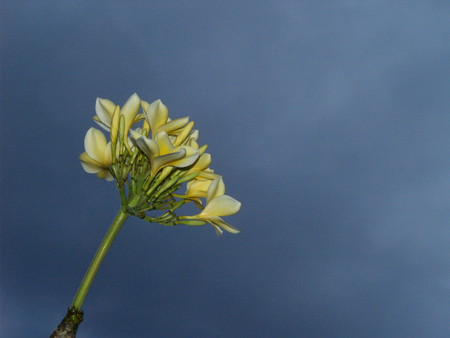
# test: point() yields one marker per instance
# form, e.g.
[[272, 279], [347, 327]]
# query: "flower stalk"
[[103, 249]]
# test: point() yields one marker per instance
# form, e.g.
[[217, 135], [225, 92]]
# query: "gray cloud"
[[328, 121]]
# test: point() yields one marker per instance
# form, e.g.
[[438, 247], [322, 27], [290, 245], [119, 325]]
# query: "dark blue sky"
[[329, 121]]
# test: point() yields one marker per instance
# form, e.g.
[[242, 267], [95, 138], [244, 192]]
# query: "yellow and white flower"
[[104, 110], [160, 156], [162, 153], [157, 116], [97, 158], [218, 204]]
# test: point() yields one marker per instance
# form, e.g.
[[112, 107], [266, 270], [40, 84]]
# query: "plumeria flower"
[[218, 204], [157, 116], [104, 110], [193, 138], [162, 153], [182, 135], [97, 158], [171, 149], [175, 127], [197, 188], [203, 163], [207, 174]]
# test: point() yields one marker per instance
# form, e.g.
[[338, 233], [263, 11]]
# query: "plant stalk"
[[103, 249], [69, 325]]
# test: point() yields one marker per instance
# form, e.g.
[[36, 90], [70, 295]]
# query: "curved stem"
[[85, 285]]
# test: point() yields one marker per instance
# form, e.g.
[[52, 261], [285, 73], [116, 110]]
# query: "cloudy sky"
[[329, 121]]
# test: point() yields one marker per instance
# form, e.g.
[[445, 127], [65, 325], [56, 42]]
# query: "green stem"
[[85, 285]]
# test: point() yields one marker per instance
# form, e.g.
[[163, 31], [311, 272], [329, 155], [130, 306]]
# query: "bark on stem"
[[69, 325]]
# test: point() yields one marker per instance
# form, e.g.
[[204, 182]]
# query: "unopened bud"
[[194, 222]]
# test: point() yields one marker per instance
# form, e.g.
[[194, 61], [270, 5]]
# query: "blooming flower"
[[203, 162], [104, 110], [218, 204], [197, 188], [97, 158], [157, 116], [151, 162], [162, 153]]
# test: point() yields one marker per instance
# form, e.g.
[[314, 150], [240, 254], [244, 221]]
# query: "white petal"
[[189, 150], [148, 146], [174, 125], [219, 231], [109, 177], [106, 175], [191, 155], [95, 143], [203, 162], [217, 221], [89, 165], [156, 115], [208, 174], [135, 133], [90, 168], [216, 189], [168, 159], [197, 188], [182, 135], [193, 144], [104, 109], [144, 105], [107, 155], [202, 149], [100, 123], [164, 143], [130, 109], [194, 135], [221, 206]]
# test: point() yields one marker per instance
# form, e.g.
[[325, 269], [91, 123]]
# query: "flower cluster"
[[150, 162]]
